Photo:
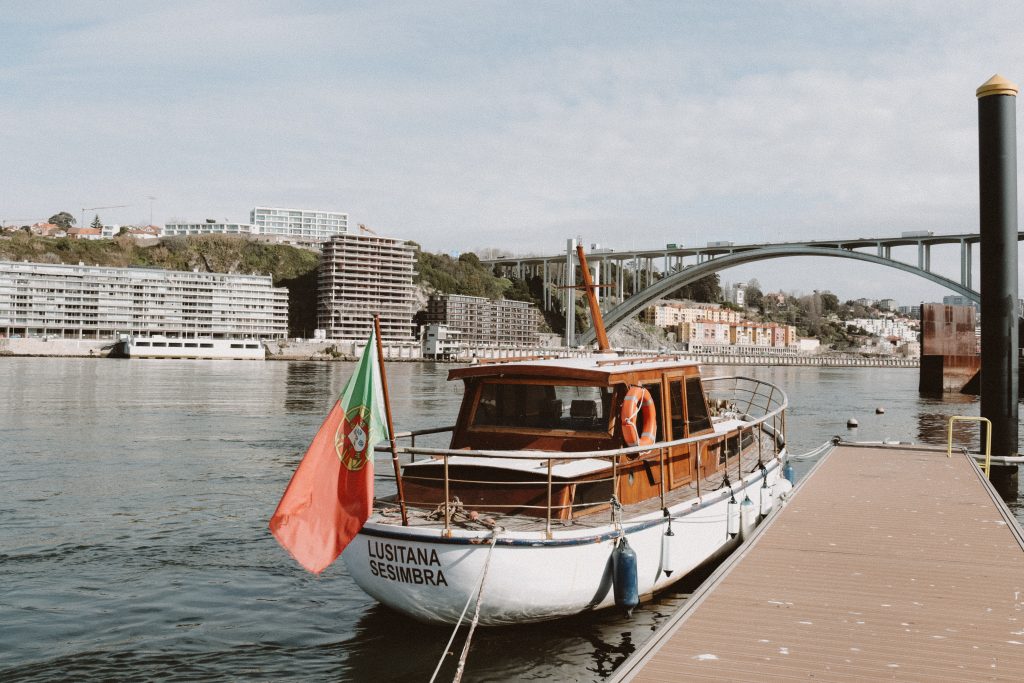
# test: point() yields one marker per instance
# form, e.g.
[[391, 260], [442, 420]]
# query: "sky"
[[515, 125]]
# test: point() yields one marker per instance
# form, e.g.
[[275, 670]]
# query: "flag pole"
[[387, 416]]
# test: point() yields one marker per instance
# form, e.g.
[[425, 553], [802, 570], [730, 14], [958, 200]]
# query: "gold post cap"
[[997, 85]]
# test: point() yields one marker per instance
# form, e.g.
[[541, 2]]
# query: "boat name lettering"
[[411, 564], [393, 552]]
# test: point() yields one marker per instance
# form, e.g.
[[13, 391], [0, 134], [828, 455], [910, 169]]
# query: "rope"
[[476, 617], [828, 445]]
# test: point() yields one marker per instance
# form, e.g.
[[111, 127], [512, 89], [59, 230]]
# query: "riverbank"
[[334, 350], [55, 347]]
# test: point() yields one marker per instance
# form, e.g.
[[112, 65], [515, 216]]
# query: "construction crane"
[[363, 228], [97, 208]]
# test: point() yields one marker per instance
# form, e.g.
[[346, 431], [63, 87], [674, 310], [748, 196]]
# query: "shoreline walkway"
[[893, 563]]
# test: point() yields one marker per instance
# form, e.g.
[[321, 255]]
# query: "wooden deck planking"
[[888, 563]]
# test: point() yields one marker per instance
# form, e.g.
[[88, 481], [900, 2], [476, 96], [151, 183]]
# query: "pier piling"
[[997, 152]]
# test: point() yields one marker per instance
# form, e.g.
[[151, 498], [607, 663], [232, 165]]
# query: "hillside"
[[288, 266]]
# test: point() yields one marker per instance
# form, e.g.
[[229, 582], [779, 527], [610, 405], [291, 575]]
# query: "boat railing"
[[742, 396]]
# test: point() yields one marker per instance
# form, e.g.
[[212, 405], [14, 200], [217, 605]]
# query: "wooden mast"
[[391, 426], [595, 310]]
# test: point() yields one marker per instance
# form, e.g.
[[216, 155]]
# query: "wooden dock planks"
[[889, 563]]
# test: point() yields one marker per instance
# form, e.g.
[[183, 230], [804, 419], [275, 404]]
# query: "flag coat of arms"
[[330, 495]]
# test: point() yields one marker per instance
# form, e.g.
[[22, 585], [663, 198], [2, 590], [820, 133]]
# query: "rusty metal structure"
[[949, 349]]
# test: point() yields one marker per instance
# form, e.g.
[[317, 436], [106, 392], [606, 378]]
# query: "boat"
[[158, 346], [570, 485]]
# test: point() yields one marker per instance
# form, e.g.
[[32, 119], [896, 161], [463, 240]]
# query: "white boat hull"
[[198, 348], [417, 571]]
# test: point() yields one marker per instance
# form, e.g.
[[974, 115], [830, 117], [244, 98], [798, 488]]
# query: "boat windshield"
[[543, 406]]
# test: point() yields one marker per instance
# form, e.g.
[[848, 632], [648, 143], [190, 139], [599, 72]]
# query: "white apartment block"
[[737, 294], [360, 275], [302, 226], [100, 302], [207, 227]]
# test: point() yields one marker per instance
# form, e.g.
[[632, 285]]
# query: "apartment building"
[[207, 227], [100, 302], [303, 226], [743, 336], [671, 313], [701, 333], [903, 329], [360, 275], [480, 322]]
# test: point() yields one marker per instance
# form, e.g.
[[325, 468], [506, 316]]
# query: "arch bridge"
[[658, 272]]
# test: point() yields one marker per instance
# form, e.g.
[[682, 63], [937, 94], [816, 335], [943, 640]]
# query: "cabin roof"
[[593, 368]]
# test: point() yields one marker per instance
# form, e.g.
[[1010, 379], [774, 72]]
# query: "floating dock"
[[893, 563]]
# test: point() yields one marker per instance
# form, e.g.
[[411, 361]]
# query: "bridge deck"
[[888, 563]]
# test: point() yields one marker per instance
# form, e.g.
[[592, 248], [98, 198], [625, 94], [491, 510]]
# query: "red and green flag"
[[330, 495]]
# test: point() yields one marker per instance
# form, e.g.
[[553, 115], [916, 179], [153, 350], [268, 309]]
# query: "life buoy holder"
[[638, 403]]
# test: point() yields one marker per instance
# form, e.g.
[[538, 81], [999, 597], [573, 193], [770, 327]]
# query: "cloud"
[[463, 125]]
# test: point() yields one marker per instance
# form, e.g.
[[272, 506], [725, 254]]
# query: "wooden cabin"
[[564, 406]]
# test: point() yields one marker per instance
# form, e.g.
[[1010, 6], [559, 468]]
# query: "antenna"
[[97, 208]]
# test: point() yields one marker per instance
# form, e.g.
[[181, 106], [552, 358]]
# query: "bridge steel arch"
[[631, 306]]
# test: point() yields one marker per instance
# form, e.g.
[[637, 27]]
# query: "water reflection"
[[307, 386]]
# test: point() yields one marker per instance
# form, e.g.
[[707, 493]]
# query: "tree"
[[754, 296], [96, 222], [829, 302], [63, 220], [706, 290]]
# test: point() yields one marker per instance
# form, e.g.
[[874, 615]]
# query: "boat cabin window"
[[678, 414], [697, 417], [543, 406]]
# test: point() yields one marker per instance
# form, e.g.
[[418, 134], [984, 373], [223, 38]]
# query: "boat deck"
[[386, 510], [894, 563]]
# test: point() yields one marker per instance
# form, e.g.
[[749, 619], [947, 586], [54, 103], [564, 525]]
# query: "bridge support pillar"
[[997, 152]]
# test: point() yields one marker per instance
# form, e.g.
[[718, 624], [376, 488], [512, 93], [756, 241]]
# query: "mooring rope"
[[476, 617], [823, 448]]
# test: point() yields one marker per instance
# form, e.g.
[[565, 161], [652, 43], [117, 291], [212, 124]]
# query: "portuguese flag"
[[331, 493]]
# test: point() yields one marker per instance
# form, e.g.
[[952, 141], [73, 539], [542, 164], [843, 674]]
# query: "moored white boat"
[[158, 346], [567, 485], [553, 557]]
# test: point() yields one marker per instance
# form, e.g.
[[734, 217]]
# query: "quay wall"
[[410, 351], [820, 361], [334, 349], [69, 348]]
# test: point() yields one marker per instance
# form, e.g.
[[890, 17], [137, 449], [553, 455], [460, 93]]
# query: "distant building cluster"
[[106, 232], [714, 328], [894, 329], [359, 275], [668, 314]]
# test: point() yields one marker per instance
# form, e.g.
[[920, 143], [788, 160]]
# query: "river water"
[[134, 501]]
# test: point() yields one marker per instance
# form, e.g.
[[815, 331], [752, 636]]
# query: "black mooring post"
[[997, 152]]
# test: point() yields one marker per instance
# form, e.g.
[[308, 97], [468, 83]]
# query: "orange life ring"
[[638, 402]]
